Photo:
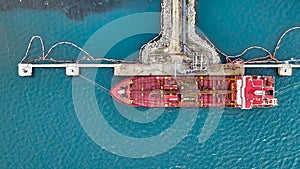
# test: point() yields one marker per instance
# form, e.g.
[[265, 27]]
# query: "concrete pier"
[[178, 41], [177, 51], [173, 69], [168, 69]]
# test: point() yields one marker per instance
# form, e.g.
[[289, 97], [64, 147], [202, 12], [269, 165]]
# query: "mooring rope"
[[45, 55], [104, 89], [286, 89], [282, 36], [270, 57]]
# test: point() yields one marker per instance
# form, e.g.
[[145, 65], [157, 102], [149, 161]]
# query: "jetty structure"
[[177, 50], [178, 41], [179, 68]]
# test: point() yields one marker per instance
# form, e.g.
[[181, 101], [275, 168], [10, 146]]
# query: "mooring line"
[[45, 54], [286, 89], [270, 57], [96, 84]]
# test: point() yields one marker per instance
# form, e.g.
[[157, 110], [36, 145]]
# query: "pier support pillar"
[[72, 70], [24, 70], [285, 70]]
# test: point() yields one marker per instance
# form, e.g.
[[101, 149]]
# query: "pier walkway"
[[178, 50], [178, 40], [171, 69]]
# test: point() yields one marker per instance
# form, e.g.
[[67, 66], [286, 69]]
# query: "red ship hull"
[[244, 92]]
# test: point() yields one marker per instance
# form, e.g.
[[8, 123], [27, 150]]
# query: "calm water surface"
[[38, 123]]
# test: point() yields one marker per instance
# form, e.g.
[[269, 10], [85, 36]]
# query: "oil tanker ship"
[[243, 92]]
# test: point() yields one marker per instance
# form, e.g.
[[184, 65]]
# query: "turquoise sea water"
[[40, 128]]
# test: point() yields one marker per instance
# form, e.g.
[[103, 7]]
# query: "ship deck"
[[196, 91]]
